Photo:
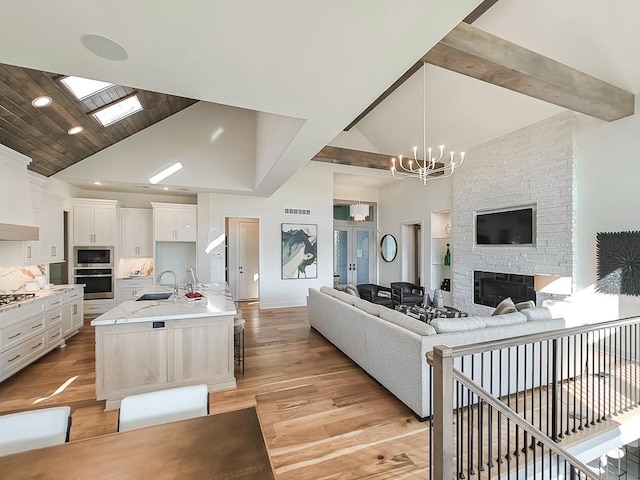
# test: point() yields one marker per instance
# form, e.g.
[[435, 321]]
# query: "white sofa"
[[391, 346]]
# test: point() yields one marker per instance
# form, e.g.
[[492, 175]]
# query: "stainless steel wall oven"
[[93, 267]]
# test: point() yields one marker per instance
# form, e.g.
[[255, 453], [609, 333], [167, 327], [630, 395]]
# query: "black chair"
[[405, 293], [375, 294]]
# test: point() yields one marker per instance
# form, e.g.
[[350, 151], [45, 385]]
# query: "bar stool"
[[238, 339]]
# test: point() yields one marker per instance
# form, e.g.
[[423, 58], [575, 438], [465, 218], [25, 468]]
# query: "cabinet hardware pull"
[[36, 346], [14, 336], [39, 325], [29, 252], [75, 309], [15, 358], [56, 335]]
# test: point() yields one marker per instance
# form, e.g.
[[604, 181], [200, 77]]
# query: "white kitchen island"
[[149, 345]]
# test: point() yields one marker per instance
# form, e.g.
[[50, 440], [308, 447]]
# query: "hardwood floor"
[[322, 416]]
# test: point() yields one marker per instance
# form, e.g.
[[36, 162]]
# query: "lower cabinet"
[[72, 312], [146, 356]]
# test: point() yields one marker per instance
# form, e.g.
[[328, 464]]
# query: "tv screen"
[[511, 227]]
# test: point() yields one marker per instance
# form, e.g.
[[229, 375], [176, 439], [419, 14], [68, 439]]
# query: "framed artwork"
[[618, 255], [299, 250]]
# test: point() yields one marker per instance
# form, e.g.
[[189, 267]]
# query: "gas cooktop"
[[6, 299]]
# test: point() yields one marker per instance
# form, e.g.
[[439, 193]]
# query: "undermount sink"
[[154, 296]]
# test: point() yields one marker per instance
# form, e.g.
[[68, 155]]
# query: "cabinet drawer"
[[16, 334], [53, 318], [72, 295], [17, 315], [53, 336], [54, 302], [22, 354]]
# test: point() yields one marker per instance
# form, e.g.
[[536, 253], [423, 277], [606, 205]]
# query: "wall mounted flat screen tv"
[[506, 227]]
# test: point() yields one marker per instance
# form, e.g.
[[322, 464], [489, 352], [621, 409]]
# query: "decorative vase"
[[438, 300], [447, 256]]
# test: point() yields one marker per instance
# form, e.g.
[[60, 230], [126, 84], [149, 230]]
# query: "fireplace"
[[490, 288]]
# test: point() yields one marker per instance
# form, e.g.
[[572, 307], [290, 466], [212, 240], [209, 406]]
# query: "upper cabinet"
[[136, 229], [174, 222], [51, 229], [94, 222]]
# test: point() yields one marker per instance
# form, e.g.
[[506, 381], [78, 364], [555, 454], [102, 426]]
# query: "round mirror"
[[388, 248]]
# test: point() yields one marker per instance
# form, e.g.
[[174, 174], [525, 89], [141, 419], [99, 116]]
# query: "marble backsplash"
[[128, 267], [13, 279]]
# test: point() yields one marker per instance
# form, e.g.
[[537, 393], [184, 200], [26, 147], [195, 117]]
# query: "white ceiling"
[[325, 62]]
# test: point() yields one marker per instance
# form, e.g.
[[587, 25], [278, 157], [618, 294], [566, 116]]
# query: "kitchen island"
[[149, 345]]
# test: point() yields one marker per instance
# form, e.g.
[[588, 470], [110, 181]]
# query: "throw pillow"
[[527, 304], [537, 314], [505, 306], [352, 290]]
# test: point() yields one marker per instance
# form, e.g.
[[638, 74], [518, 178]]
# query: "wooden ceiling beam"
[[481, 55], [356, 158]]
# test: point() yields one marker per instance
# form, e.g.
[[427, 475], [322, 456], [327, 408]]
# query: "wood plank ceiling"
[[41, 133]]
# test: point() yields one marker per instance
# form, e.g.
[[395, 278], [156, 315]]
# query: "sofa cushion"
[[513, 318], [505, 306], [527, 304], [404, 321], [365, 306], [345, 297], [449, 325], [537, 314], [329, 291]]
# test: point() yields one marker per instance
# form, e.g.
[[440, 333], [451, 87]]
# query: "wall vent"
[[297, 211]]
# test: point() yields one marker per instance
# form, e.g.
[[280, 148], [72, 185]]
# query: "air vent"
[[296, 211]]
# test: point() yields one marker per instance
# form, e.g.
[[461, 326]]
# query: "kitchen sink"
[[154, 296]]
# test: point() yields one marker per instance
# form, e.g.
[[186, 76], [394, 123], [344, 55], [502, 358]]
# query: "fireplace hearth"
[[490, 288]]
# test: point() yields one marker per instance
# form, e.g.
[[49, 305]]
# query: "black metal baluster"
[[583, 367], [610, 377], [525, 443], [490, 417], [561, 365], [593, 379], [517, 398], [508, 454], [480, 416], [549, 386], [540, 390], [575, 381], [554, 391], [470, 398], [460, 439], [499, 414]]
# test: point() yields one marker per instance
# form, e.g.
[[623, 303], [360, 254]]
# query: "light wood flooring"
[[322, 416]]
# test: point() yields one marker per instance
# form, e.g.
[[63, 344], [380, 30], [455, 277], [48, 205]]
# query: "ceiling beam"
[[481, 55], [356, 158], [472, 17]]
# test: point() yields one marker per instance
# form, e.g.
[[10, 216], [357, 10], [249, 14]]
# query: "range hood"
[[16, 209]]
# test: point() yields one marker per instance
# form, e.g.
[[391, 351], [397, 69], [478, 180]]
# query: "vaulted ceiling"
[[308, 67]]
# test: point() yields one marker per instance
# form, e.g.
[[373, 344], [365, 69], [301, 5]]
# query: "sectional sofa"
[[391, 346]]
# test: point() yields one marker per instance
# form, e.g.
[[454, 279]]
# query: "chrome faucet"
[[175, 281]]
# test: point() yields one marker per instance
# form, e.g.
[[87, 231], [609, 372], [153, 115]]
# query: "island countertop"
[[218, 302]]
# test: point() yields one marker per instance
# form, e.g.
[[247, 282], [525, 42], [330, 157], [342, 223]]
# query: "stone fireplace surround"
[[490, 288]]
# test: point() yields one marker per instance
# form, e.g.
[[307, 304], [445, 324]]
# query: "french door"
[[354, 254]]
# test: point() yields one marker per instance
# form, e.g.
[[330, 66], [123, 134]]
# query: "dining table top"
[[222, 446]]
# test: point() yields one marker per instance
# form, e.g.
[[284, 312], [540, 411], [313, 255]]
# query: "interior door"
[[248, 259], [354, 254]]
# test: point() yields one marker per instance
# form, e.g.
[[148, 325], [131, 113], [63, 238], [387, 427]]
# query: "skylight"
[[118, 111], [83, 87]]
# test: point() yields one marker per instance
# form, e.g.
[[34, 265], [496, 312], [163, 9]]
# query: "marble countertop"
[[218, 302], [40, 295]]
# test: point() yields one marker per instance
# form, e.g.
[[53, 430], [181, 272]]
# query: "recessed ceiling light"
[[75, 130], [97, 182], [40, 102], [165, 188], [117, 111], [104, 47], [84, 87], [157, 178]]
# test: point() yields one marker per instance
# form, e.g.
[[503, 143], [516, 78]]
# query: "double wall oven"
[[93, 266]]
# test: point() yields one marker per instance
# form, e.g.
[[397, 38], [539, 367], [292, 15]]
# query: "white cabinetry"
[[35, 328], [72, 312], [174, 222], [136, 227], [94, 222], [51, 229], [128, 288]]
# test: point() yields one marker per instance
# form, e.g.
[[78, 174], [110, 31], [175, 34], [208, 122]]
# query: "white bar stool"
[[34, 429]]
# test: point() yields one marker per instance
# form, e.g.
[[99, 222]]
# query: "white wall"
[[311, 188], [408, 202], [608, 173]]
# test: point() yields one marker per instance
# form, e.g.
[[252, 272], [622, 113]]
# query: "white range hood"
[[16, 209]]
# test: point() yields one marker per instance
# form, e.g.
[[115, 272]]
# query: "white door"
[[354, 254], [248, 259]]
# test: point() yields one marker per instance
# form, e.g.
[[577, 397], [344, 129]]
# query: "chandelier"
[[359, 211], [430, 167]]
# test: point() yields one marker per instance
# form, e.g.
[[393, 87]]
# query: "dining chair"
[[40, 428], [163, 406]]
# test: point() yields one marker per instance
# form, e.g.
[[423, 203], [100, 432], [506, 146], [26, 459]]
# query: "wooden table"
[[224, 446]]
